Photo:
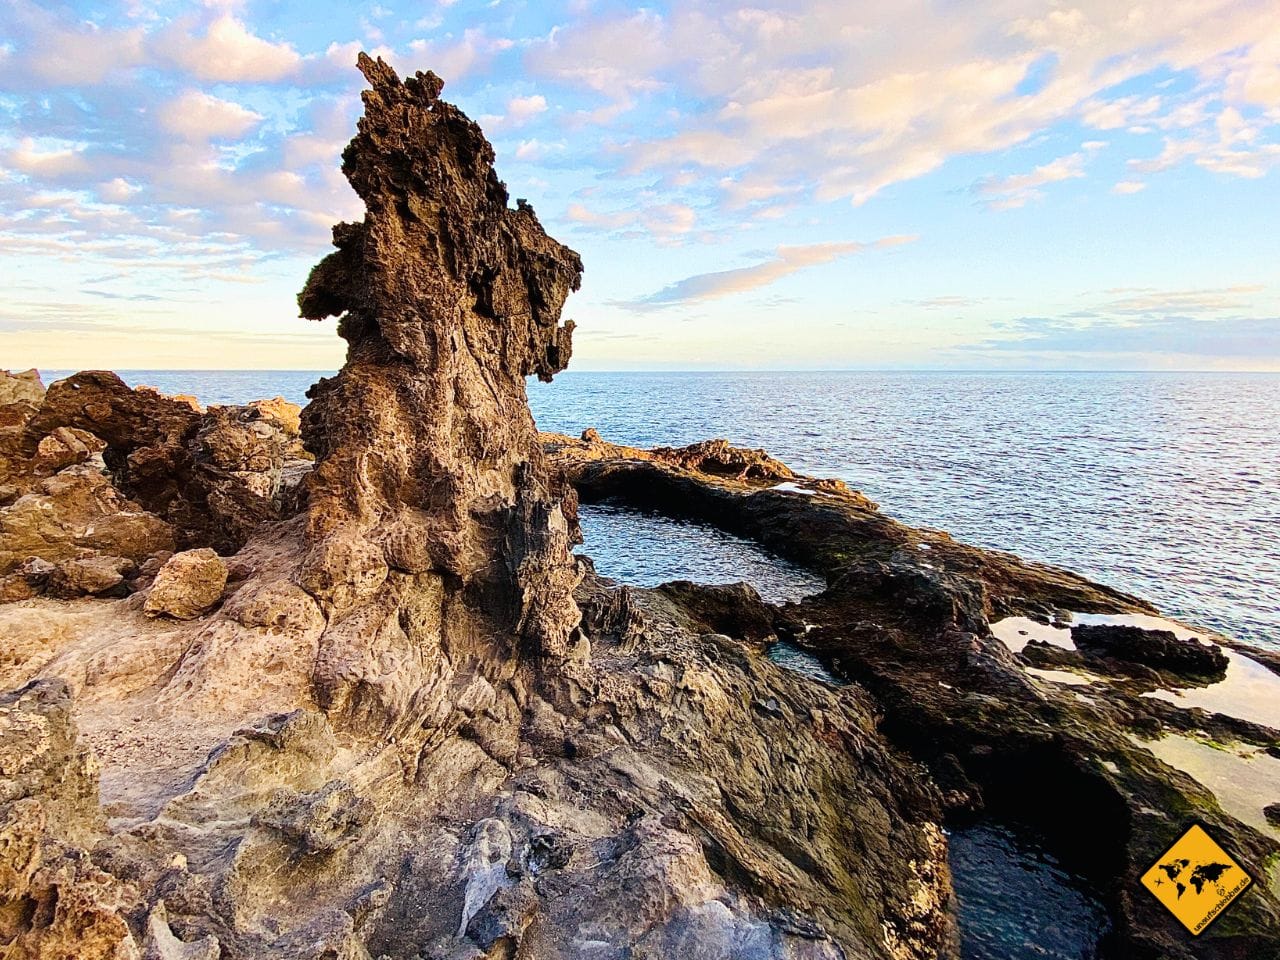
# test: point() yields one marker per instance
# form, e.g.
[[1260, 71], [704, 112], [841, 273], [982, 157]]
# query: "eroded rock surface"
[[906, 617], [428, 462]]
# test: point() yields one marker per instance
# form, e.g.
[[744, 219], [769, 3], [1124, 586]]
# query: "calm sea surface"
[[1163, 484]]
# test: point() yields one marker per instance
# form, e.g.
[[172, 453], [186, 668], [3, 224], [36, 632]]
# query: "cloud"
[[668, 223], [577, 213], [948, 302], [198, 116], [1163, 302], [844, 101], [50, 162], [1240, 338], [228, 52], [1013, 191], [1222, 322], [520, 110], [452, 59], [1129, 187], [703, 287], [117, 190], [67, 54]]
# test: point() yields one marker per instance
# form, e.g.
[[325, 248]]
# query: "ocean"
[[1166, 485]]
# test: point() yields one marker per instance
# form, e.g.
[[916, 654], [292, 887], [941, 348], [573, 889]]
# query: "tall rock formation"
[[428, 461]]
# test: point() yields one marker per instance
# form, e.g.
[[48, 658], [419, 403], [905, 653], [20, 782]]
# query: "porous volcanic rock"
[[428, 461], [213, 475], [188, 584]]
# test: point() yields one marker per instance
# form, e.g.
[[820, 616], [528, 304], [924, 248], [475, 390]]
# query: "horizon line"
[[644, 370]]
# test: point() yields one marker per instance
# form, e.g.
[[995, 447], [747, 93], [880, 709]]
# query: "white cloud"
[[579, 214], [846, 100], [83, 53], [520, 110], [724, 283], [197, 116], [667, 222], [1007, 193], [52, 161], [228, 52], [1129, 186], [117, 190], [450, 59]]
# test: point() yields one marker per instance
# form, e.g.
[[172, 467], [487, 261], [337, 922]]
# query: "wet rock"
[[1039, 653], [910, 627], [733, 609], [188, 585], [1157, 649]]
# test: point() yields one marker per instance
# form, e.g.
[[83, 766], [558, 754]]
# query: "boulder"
[[76, 513], [188, 585], [1158, 649], [64, 447], [734, 609], [95, 575], [21, 387], [214, 476]]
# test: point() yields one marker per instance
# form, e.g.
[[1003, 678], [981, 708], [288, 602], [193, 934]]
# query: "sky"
[[779, 185]]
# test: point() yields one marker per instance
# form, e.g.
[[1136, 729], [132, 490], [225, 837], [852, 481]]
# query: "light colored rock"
[[74, 512], [161, 944], [64, 447], [286, 415], [16, 387], [188, 585]]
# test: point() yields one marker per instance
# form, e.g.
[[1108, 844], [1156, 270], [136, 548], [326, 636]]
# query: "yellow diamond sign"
[[1196, 879]]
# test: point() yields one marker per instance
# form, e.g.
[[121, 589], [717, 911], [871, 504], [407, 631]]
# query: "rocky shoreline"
[[330, 682]]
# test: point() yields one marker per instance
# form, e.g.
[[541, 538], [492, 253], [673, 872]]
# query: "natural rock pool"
[[646, 549], [791, 657], [1015, 900], [1248, 691]]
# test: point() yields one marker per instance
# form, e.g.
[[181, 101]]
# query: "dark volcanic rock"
[[427, 456], [734, 609], [215, 476], [905, 618], [1159, 649]]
